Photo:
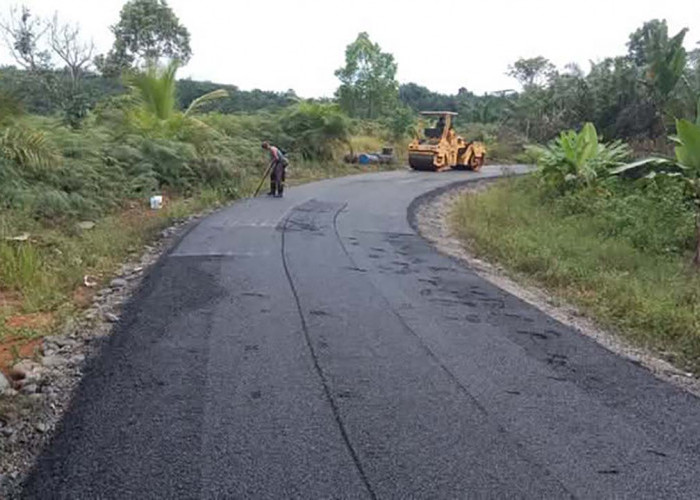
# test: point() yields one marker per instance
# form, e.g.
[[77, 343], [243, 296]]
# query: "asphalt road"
[[316, 347]]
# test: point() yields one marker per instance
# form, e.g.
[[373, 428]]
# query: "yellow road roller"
[[441, 148]]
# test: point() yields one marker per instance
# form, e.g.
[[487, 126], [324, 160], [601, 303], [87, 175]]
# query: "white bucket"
[[156, 202]]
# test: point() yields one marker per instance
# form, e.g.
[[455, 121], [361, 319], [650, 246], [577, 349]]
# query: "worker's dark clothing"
[[278, 164], [440, 125], [277, 178]]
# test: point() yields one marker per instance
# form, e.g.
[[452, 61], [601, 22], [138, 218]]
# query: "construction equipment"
[[442, 149]]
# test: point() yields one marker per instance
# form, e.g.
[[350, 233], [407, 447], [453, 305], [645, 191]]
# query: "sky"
[[298, 44]]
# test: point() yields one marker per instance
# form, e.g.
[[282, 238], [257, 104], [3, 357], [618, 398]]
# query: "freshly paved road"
[[316, 347]]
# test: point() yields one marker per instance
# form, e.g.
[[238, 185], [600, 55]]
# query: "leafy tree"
[[621, 106], [24, 85], [572, 99], [148, 30], [95, 88], [421, 98], [662, 58], [400, 123], [532, 110], [368, 81], [487, 108], [238, 100], [531, 72], [644, 41]]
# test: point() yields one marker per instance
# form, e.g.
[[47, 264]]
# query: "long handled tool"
[[267, 172]]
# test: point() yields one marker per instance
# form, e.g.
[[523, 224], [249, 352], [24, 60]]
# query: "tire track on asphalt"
[[314, 357], [431, 354]]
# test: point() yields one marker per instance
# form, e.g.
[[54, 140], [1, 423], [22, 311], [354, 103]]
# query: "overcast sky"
[[445, 45]]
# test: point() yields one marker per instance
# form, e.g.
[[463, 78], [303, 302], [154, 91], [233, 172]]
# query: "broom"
[[267, 172]]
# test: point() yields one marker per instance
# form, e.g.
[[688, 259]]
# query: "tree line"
[[634, 95]]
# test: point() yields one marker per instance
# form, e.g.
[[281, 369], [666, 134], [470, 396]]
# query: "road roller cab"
[[440, 148]]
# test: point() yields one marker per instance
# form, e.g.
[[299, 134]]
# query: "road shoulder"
[[430, 217]]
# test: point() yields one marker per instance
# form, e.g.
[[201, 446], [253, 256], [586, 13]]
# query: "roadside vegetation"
[[618, 237], [621, 253]]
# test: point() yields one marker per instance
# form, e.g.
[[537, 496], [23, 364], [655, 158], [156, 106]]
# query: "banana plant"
[[685, 165], [576, 158]]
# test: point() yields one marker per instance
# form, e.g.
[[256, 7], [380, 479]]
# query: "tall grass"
[[20, 265], [623, 261]]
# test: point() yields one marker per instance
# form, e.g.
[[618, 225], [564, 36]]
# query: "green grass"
[[628, 271]]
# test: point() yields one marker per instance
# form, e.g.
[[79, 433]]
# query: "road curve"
[[316, 347]]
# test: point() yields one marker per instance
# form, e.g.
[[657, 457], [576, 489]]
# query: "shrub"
[[315, 129], [654, 216]]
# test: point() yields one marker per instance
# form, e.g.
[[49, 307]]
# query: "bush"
[[316, 129], [113, 158]]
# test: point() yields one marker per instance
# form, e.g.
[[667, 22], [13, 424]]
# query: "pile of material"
[[385, 157]]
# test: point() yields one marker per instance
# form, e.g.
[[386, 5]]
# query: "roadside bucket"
[[367, 158], [156, 202]]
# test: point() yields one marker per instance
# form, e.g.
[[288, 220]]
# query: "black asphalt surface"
[[316, 347]]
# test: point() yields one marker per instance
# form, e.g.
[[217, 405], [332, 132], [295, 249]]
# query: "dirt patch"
[[9, 300], [432, 219], [37, 321]]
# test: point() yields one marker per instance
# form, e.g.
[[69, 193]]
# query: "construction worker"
[[440, 124], [278, 165]]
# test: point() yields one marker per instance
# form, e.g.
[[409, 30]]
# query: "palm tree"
[[155, 90]]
